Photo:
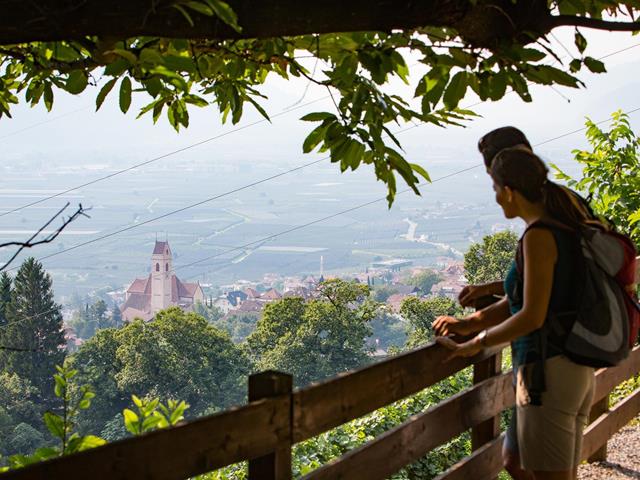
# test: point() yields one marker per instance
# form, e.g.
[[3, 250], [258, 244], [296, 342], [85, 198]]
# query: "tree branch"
[[49, 238], [595, 23]]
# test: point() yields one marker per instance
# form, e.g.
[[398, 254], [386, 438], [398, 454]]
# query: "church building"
[[161, 289]]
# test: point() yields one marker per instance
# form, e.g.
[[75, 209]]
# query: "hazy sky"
[[74, 134]]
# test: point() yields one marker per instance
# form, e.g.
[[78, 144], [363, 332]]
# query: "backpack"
[[603, 326]]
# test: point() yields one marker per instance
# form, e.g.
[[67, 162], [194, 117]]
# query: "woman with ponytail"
[[550, 420]]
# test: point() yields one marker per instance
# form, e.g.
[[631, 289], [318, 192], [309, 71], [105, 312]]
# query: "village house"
[[161, 289]]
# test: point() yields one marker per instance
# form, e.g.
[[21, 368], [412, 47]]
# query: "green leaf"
[[131, 421], [48, 96], [455, 90], [225, 13], [596, 66], [318, 116], [313, 139], [184, 13], [54, 424], [200, 7], [90, 441], [125, 94], [126, 54], [76, 82], [104, 91], [421, 171], [580, 41]]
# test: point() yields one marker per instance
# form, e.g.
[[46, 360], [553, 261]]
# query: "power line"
[[189, 147], [160, 157], [196, 204], [308, 224], [221, 195], [72, 112], [366, 204]]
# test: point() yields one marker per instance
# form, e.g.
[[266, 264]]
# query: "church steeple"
[[161, 273]]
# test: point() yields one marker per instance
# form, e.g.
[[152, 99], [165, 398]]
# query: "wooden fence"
[[276, 417]]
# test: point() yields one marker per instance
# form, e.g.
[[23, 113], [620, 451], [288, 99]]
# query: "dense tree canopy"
[[489, 260], [421, 313], [177, 356], [316, 339], [186, 53]]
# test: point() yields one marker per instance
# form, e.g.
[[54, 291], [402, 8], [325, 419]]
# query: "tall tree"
[[178, 355], [421, 313], [116, 316], [5, 297], [35, 325], [316, 339], [225, 51], [489, 260]]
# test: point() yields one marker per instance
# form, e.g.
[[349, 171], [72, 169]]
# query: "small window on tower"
[[157, 267], [166, 267]]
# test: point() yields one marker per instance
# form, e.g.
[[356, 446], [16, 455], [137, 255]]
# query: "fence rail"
[[264, 430]]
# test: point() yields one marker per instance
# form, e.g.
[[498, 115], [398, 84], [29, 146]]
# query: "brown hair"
[[494, 141], [521, 170]]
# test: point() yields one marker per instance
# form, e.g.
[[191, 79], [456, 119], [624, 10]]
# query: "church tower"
[[161, 273]]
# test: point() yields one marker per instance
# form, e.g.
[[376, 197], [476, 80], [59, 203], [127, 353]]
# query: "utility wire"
[[189, 147], [215, 197], [366, 204], [160, 157], [299, 227]]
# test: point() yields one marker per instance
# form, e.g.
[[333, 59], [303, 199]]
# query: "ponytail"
[[566, 206]]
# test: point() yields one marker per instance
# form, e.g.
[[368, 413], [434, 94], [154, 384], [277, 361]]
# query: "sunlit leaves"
[[610, 173], [356, 67]]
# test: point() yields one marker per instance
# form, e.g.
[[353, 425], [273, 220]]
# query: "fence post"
[[490, 429], [598, 409], [275, 465]]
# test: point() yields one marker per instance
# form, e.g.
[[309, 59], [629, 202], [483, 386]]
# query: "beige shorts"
[[550, 435]]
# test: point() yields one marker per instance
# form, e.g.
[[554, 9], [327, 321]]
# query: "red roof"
[[271, 294], [160, 248], [181, 289], [140, 285], [250, 306], [252, 292]]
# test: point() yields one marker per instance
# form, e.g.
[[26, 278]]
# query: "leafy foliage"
[[610, 173], [489, 261], [421, 313], [425, 280], [178, 355], [316, 339], [62, 426], [177, 74], [152, 415]]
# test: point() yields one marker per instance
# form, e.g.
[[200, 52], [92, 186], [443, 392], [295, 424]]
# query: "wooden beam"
[[609, 378], [321, 407], [180, 452], [275, 465], [51, 20], [489, 430], [608, 424], [486, 462], [411, 440]]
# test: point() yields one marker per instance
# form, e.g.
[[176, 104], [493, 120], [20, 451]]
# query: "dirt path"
[[623, 458]]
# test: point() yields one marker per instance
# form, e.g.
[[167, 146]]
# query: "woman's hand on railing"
[[445, 325], [465, 349]]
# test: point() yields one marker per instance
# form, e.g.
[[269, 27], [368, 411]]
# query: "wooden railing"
[[277, 417], [264, 430]]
